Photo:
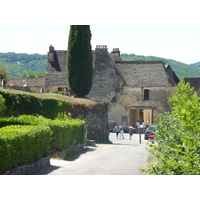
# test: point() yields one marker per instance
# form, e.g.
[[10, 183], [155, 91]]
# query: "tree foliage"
[[3, 106], [4, 73], [178, 136], [17, 63], [32, 74], [80, 69]]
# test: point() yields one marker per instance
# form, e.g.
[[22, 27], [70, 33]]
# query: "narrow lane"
[[123, 157]]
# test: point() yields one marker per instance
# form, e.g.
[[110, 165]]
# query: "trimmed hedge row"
[[66, 134], [23, 144], [24, 103], [23, 120], [32, 138]]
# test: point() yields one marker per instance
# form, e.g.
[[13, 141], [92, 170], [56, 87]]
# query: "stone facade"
[[96, 120], [195, 83], [136, 90]]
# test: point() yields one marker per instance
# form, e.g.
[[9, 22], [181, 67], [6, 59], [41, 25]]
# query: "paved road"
[[123, 157]]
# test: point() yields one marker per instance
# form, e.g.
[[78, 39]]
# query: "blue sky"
[[178, 42]]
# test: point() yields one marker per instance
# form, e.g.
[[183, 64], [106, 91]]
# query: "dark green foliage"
[[23, 144], [2, 105], [181, 69], [80, 69], [24, 103]]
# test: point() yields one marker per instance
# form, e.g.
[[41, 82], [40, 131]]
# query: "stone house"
[[194, 82], [26, 84], [136, 90]]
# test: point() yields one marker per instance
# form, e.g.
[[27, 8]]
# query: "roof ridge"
[[140, 62]]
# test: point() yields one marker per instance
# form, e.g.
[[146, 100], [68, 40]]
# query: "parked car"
[[150, 129], [111, 125]]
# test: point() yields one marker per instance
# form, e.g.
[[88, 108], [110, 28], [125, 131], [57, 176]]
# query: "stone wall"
[[96, 119], [133, 99], [29, 169]]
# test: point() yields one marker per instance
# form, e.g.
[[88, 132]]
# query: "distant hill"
[[196, 64], [17, 63], [181, 69]]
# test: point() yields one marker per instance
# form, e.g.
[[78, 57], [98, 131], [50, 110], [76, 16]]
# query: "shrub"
[[66, 133], [178, 136], [26, 138], [23, 120], [28, 104], [23, 144], [2, 105]]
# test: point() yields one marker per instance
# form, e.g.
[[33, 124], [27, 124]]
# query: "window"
[[146, 94], [59, 89]]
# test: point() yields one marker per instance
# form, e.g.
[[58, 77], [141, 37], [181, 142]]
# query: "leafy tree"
[[80, 69], [4, 73], [178, 136], [32, 74]]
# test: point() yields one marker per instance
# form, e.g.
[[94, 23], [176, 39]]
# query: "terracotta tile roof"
[[29, 82]]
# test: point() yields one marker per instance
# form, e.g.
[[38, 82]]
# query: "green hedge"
[[32, 136], [23, 144], [23, 120], [66, 133], [25, 103]]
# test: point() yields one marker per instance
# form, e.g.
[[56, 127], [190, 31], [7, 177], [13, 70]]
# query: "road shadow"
[[46, 170], [75, 155], [70, 157], [126, 144]]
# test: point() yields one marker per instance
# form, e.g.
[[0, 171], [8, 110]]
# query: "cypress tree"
[[80, 69]]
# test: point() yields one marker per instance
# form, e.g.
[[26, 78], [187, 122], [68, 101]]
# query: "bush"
[[2, 105], [25, 103], [178, 136], [66, 133], [23, 144], [26, 138], [23, 120]]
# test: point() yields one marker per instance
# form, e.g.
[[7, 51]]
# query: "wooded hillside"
[[17, 63]]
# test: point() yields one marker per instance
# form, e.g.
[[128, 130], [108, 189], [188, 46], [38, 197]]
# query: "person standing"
[[117, 130], [143, 126], [138, 126], [121, 131], [130, 129]]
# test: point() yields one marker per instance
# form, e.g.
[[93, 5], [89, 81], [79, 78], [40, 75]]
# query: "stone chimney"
[[51, 54], [101, 52], [116, 50]]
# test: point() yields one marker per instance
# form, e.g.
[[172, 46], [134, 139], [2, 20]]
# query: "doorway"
[[140, 114]]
